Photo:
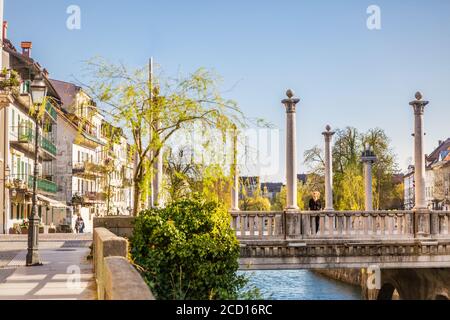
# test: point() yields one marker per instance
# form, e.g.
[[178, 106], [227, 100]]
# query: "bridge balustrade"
[[333, 225]]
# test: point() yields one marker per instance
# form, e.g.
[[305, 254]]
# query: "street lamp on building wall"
[[38, 92]]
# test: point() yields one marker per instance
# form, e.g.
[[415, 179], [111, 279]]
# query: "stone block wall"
[[116, 278], [121, 226]]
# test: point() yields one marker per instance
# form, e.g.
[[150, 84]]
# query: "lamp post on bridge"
[[368, 158], [422, 213], [328, 134], [291, 151]]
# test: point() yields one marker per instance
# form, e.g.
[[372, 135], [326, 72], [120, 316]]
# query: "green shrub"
[[188, 251]]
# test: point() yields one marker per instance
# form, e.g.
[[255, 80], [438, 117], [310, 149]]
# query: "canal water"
[[300, 285]]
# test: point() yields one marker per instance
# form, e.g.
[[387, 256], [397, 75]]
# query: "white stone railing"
[[334, 225]]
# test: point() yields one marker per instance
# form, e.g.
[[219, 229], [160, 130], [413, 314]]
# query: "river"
[[300, 285]]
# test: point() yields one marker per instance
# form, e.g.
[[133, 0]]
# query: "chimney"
[[45, 72], [440, 142], [26, 48], [5, 30]]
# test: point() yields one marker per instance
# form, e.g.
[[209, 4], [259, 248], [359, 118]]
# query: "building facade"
[[437, 179], [18, 141], [93, 167], [82, 170]]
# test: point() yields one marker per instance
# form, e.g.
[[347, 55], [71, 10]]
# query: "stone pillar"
[[422, 220], [368, 158], [235, 173], [328, 134], [291, 151]]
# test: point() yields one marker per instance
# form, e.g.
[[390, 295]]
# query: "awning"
[[52, 203]]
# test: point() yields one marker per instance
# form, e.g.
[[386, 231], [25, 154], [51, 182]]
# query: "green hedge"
[[188, 251]]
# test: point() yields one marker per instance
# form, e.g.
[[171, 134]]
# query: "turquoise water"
[[300, 285]]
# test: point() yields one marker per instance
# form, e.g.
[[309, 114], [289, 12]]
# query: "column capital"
[[368, 156], [419, 104], [328, 133], [291, 102]]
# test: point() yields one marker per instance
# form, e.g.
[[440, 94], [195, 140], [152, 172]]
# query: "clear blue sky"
[[345, 74]]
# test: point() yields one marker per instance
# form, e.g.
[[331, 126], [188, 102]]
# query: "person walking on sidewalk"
[[79, 224]]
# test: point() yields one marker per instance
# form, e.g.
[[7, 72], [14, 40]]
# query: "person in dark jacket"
[[316, 205], [79, 225]]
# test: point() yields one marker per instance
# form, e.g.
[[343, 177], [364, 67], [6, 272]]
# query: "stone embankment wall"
[[116, 278], [121, 226], [349, 276]]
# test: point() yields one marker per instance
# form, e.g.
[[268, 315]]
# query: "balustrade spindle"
[[242, 224], [323, 225], [331, 225], [366, 225], [348, 225], [270, 226], [251, 222], [340, 225], [260, 226]]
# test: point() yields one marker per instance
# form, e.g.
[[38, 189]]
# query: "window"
[[18, 169]]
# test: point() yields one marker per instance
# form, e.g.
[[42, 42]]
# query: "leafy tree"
[[185, 177], [188, 251], [303, 195], [351, 190], [255, 202], [348, 182], [158, 108]]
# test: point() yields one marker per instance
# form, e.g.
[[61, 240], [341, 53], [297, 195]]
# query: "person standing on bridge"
[[316, 205]]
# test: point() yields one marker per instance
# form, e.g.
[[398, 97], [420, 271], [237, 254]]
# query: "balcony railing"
[[89, 197], [88, 168], [43, 185], [26, 135], [23, 182]]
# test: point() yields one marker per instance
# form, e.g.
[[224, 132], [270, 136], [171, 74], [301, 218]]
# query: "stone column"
[[422, 221], [235, 172], [328, 134], [368, 158], [291, 151]]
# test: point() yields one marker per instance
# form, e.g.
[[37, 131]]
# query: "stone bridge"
[[408, 249], [291, 240]]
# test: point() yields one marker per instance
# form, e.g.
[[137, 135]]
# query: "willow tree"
[[151, 111], [348, 179]]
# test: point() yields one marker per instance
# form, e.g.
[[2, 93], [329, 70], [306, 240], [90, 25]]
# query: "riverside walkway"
[[66, 273]]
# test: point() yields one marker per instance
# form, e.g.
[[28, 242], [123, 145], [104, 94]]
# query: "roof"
[[29, 64], [67, 91], [441, 150], [272, 186]]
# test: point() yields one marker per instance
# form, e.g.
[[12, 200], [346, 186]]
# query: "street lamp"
[[38, 92]]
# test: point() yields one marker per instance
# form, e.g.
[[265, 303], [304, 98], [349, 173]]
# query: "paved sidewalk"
[[66, 273]]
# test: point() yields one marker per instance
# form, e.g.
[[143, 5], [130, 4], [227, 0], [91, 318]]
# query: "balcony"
[[43, 185], [25, 183], [88, 197], [88, 170], [25, 138]]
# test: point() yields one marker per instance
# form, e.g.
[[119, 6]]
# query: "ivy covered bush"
[[188, 251]]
